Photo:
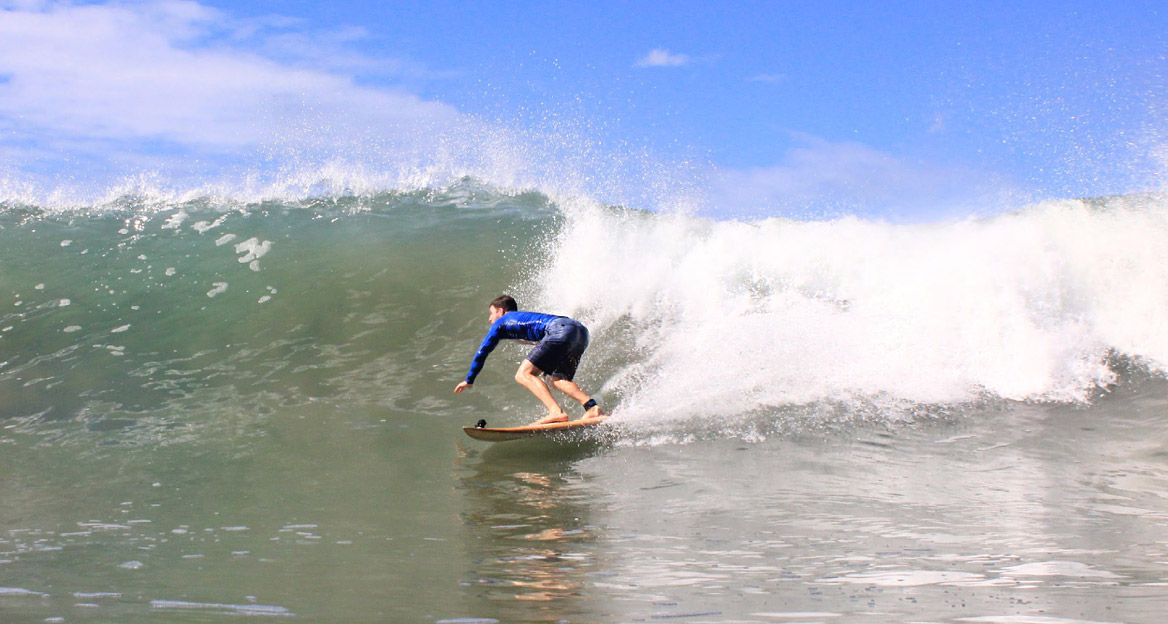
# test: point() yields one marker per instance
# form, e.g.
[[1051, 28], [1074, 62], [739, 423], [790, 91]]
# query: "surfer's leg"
[[569, 387], [564, 371], [528, 377]]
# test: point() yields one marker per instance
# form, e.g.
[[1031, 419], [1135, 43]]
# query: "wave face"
[[147, 320]]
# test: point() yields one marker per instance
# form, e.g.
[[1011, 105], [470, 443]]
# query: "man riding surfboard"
[[560, 342]]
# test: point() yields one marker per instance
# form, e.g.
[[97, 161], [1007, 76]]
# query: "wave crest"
[[727, 318]]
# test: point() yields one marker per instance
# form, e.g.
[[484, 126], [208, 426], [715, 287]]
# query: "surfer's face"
[[495, 313]]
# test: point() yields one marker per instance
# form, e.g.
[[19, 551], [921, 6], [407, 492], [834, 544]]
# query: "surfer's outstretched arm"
[[490, 341]]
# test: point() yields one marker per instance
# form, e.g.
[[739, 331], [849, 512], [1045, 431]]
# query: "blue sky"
[[904, 110]]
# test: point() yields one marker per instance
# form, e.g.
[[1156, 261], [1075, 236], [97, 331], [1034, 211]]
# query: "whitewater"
[[223, 405]]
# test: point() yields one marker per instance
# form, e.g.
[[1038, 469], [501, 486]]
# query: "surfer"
[[560, 341]]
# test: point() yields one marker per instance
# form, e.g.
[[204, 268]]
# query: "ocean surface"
[[217, 409]]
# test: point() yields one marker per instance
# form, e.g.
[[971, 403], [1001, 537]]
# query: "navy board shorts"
[[558, 354]]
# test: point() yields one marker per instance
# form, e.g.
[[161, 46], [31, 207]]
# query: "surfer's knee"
[[527, 373], [524, 377]]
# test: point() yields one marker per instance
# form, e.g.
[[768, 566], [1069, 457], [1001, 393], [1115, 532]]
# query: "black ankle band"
[[590, 404]]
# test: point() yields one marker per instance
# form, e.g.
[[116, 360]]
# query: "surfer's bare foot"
[[594, 412], [553, 417]]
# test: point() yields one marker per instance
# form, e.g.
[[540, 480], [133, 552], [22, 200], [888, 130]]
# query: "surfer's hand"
[[460, 387]]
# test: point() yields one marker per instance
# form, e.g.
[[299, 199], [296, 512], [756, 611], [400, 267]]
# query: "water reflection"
[[530, 534]]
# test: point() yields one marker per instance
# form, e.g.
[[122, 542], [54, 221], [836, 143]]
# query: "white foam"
[[252, 249], [203, 226], [175, 220], [18, 591], [730, 317], [236, 609]]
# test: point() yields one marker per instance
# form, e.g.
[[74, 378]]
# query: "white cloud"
[[821, 178], [768, 78], [659, 57], [119, 82]]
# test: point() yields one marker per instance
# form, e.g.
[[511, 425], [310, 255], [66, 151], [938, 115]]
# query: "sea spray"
[[720, 319]]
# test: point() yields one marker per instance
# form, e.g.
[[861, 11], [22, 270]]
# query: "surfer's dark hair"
[[505, 302]]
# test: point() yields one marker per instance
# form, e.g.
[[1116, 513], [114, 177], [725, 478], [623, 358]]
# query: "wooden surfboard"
[[553, 430]]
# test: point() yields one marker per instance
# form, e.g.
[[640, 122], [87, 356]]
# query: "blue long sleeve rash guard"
[[527, 326]]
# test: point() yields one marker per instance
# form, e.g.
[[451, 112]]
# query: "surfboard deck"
[[503, 434]]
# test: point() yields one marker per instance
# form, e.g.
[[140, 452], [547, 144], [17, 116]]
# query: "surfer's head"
[[500, 306], [505, 303]]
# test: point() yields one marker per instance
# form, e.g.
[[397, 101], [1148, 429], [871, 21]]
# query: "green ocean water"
[[168, 398], [133, 321], [216, 409]]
